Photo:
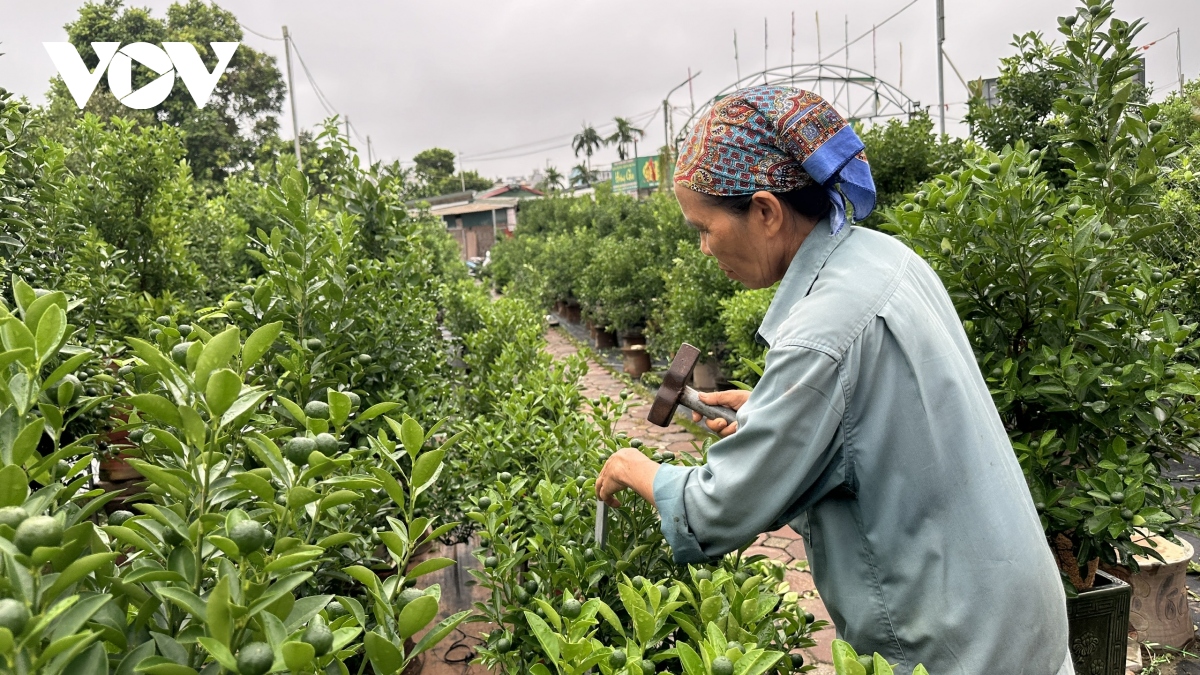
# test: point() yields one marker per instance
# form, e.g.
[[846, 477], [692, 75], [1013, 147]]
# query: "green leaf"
[[220, 616], [426, 467], [76, 571], [544, 635], [92, 661], [27, 441], [260, 486], [390, 485], [845, 659], [364, 576], [222, 390], [258, 343], [300, 495], [298, 655], [216, 354], [186, 600], [193, 426], [440, 631], [305, 609], [294, 410], [428, 566], [377, 410], [416, 615], [284, 585], [23, 293], [339, 407], [14, 486], [16, 336], [336, 539], [50, 332], [37, 310], [338, 498], [157, 407], [691, 661], [69, 366], [386, 658], [219, 652], [242, 408], [413, 436]]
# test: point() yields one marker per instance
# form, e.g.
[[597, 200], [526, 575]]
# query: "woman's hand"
[[733, 398], [626, 468]]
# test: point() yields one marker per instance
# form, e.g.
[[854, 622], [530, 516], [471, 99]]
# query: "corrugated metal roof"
[[493, 204]]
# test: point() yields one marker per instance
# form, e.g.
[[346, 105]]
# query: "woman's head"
[[754, 236], [773, 160]]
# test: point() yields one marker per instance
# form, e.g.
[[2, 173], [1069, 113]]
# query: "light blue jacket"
[[872, 433]]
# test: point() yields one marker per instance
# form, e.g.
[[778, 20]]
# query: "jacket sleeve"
[[787, 438]]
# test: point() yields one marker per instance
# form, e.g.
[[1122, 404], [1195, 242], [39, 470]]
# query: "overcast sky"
[[480, 76]]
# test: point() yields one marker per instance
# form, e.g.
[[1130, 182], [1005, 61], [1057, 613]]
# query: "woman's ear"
[[768, 211]]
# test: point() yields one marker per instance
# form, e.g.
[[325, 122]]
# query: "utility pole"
[[369, 161], [667, 121], [666, 124], [287, 51], [462, 175], [941, 37], [764, 50], [820, 68], [1179, 57], [347, 128], [846, 49], [736, 63], [793, 55], [691, 94]]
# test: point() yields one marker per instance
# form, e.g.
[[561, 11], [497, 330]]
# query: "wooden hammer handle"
[[691, 399]]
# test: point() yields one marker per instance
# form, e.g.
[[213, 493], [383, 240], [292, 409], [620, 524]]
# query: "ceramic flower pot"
[[636, 360], [1097, 626], [1159, 607], [705, 375]]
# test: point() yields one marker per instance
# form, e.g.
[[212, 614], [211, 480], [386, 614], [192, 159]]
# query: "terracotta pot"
[[636, 360], [117, 469], [604, 339], [705, 375], [1159, 609], [633, 337], [572, 311]]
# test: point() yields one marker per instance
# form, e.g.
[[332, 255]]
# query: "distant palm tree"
[[587, 142], [553, 180], [625, 135], [582, 176]]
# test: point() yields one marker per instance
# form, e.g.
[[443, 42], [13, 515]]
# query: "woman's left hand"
[[626, 468]]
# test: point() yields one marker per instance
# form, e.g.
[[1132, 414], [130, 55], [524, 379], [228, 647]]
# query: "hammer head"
[[667, 398]]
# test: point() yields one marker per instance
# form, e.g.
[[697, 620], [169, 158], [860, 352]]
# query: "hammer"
[[673, 391]]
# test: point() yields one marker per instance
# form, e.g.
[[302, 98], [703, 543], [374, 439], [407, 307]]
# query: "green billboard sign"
[[631, 175]]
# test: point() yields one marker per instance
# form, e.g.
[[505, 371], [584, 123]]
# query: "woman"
[[872, 432]]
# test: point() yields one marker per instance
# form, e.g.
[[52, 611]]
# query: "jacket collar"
[[799, 278]]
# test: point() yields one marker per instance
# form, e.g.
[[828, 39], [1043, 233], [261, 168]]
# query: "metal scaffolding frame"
[[835, 83]]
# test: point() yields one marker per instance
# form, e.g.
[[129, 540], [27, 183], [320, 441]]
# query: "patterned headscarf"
[[777, 139]]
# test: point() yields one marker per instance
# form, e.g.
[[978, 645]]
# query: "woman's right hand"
[[733, 398]]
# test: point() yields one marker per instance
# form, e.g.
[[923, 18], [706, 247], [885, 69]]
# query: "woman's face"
[[754, 248]]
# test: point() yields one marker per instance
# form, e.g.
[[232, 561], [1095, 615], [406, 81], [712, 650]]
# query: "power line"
[[321, 97], [265, 37], [864, 35], [560, 142]]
